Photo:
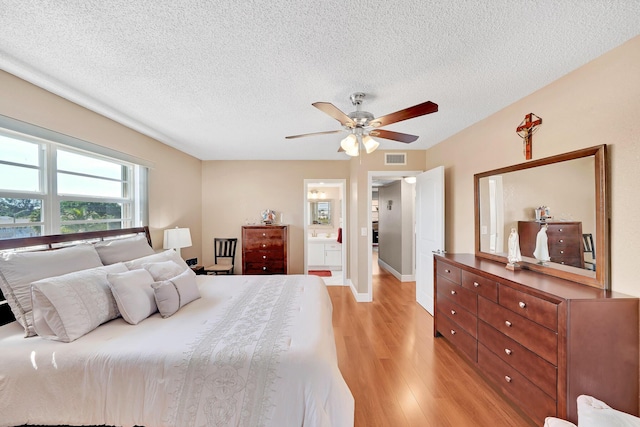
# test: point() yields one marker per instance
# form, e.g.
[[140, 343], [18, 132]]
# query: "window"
[[51, 188]]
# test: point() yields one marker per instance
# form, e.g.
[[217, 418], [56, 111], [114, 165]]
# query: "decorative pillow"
[[175, 293], [595, 413], [121, 250], [18, 270], [133, 294], [68, 306], [168, 255], [557, 422], [164, 270]]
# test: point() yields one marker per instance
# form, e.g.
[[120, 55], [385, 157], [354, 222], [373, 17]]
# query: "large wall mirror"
[[566, 195]]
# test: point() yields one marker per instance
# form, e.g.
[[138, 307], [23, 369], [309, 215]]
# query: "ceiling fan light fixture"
[[350, 143], [370, 144], [353, 152]]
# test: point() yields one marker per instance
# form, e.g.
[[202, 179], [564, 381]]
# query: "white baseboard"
[[396, 274], [360, 297]]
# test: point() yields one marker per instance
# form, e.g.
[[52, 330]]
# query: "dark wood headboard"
[[56, 241]]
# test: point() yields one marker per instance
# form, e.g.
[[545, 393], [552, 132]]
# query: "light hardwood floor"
[[398, 373]]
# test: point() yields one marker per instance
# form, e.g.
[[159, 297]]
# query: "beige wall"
[[598, 103], [174, 182], [235, 192]]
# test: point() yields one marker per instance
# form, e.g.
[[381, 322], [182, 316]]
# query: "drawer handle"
[[264, 234], [507, 378], [506, 322], [561, 252], [264, 257], [264, 268], [560, 230], [453, 332], [476, 284], [453, 292], [447, 271], [522, 304], [264, 245], [561, 241], [453, 312], [506, 350]]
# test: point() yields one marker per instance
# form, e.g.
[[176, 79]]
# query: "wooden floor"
[[398, 373]]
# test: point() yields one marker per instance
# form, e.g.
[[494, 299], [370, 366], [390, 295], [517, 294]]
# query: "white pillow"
[[67, 307], [19, 270], [133, 294], [595, 413], [557, 422], [163, 270], [175, 293], [168, 255], [121, 250]]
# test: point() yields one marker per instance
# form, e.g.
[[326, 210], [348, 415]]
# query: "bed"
[[249, 351]]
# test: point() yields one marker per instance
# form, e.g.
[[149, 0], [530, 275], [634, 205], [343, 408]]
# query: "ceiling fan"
[[362, 125]]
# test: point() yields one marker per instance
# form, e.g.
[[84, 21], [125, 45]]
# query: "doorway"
[[325, 229], [377, 179]]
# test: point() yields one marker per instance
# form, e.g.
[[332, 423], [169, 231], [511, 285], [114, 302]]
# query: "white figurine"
[[514, 255], [542, 246]]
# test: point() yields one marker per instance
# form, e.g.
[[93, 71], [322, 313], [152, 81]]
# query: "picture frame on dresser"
[[574, 187]]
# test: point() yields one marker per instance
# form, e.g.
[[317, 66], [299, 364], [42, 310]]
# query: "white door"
[[429, 231]]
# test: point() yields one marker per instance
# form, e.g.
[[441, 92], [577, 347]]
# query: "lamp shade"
[[370, 144], [176, 238]]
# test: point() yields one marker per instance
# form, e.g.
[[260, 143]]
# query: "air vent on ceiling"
[[395, 158]]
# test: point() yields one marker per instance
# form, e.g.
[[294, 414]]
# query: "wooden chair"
[[225, 254], [589, 249]]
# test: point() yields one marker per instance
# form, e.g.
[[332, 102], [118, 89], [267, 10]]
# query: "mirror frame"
[[601, 279]]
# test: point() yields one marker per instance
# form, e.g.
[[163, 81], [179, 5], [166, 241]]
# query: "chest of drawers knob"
[[264, 245], [453, 312], [508, 351], [264, 234], [561, 241], [264, 257], [521, 304], [476, 284], [506, 322], [453, 292], [264, 268], [507, 378], [447, 271], [453, 332]]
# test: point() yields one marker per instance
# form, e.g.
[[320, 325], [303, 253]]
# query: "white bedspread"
[[253, 351]]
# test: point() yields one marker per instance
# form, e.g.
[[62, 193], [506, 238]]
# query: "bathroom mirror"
[[320, 212], [566, 194]]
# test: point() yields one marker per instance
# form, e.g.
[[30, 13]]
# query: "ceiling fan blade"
[[313, 133], [408, 113], [334, 112], [395, 136]]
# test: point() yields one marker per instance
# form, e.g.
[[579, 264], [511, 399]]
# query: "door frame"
[[370, 176], [342, 185]]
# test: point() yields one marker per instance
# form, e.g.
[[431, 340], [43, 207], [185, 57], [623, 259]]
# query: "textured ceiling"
[[230, 79]]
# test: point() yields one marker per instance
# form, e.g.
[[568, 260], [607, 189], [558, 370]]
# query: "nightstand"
[[198, 269]]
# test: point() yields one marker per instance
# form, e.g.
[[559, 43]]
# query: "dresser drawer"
[[450, 272], [540, 311], [537, 370], [536, 338], [274, 267], [458, 337], [263, 243], [485, 287], [457, 314], [533, 401], [263, 256], [458, 294]]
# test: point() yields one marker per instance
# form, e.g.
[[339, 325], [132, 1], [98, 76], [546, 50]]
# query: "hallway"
[[398, 373]]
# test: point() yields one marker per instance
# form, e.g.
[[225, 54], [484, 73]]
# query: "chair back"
[[225, 248], [588, 244]]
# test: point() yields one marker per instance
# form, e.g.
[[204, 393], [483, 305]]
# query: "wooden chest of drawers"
[[264, 249], [540, 340], [564, 239]]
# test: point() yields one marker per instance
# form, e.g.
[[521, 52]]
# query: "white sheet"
[[253, 351]]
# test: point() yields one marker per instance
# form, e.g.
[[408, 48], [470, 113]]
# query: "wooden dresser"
[[264, 249], [564, 238], [540, 340]]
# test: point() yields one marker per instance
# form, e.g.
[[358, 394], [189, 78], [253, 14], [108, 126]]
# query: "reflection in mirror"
[[320, 212], [565, 193]]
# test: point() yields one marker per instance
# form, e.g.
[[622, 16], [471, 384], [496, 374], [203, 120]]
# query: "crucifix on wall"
[[526, 129]]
